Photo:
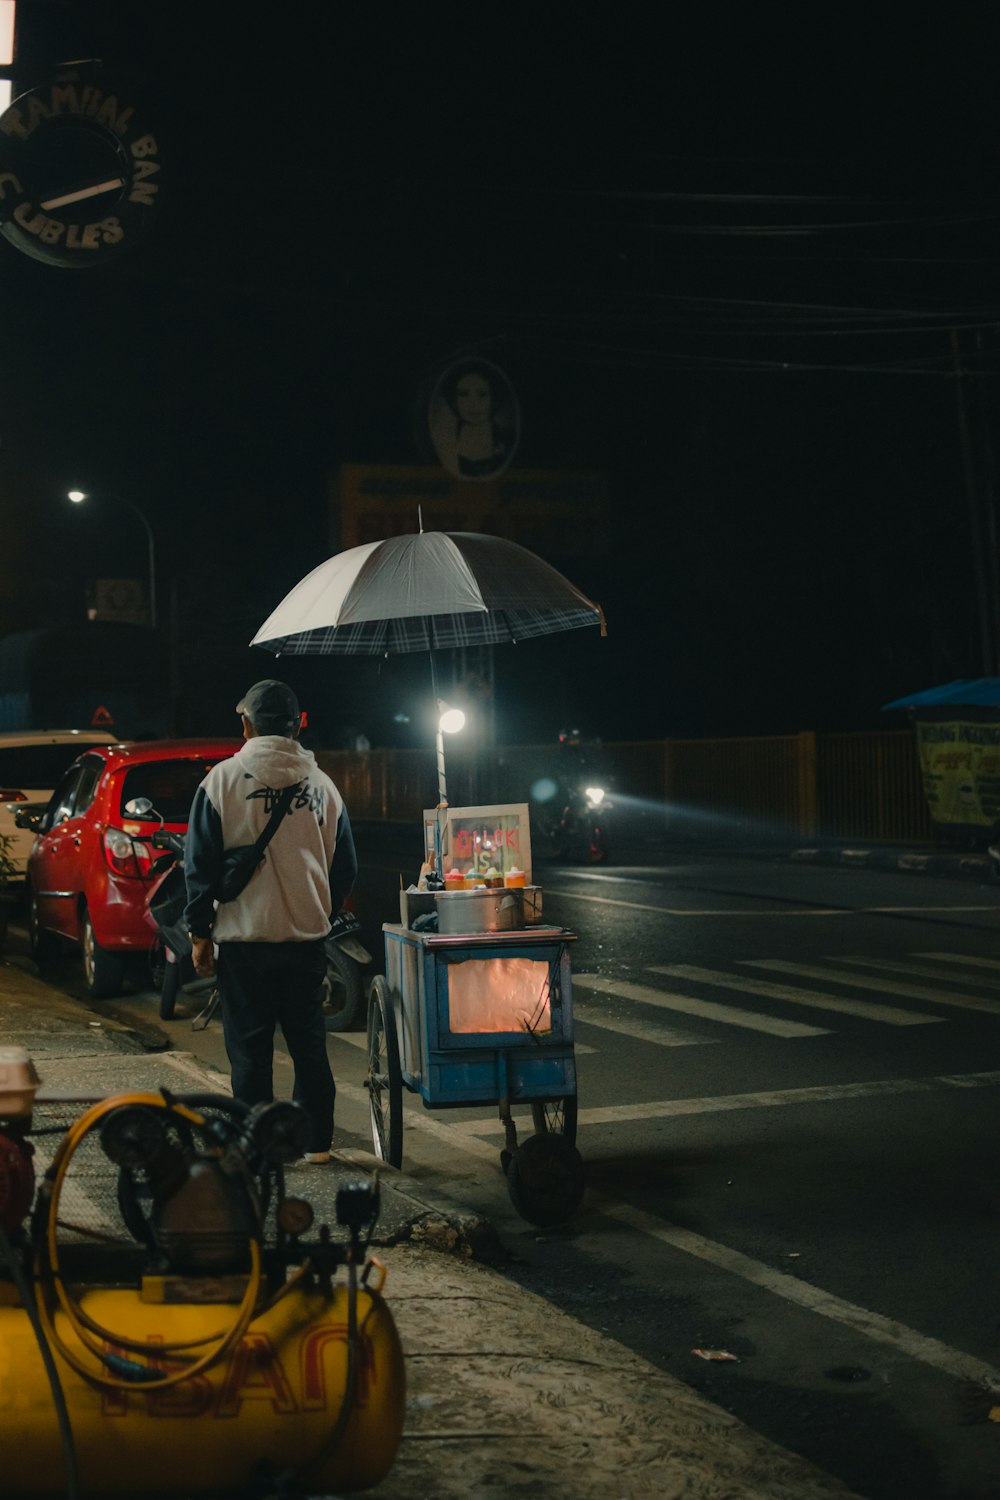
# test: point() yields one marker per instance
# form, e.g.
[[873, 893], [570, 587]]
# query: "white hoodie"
[[288, 898]]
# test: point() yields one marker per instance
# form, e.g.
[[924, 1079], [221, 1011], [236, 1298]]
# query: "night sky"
[[731, 264]]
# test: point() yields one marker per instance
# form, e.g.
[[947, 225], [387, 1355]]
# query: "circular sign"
[[79, 171], [473, 419]]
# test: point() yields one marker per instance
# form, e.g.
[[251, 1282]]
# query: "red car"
[[89, 868]]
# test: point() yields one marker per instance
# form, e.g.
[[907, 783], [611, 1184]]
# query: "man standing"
[[271, 937]]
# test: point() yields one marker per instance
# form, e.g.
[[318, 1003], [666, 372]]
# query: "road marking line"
[[660, 1036], [963, 958], [694, 911], [889, 1015], [884, 986], [798, 911], [827, 1093], [870, 1325], [709, 1010], [918, 971], [824, 1093], [994, 907]]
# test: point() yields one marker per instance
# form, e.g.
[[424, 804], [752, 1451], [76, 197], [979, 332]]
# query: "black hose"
[[58, 1397]]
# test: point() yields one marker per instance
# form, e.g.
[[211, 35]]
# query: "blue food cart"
[[485, 1017]]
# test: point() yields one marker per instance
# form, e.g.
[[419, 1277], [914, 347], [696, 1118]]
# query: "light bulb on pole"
[[79, 496], [450, 721]]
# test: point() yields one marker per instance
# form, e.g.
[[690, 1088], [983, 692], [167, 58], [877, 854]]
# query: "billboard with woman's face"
[[473, 419]]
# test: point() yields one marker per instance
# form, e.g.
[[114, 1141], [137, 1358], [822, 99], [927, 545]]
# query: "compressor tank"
[[268, 1406]]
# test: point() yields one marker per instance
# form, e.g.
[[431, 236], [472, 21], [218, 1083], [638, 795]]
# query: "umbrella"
[[425, 592]]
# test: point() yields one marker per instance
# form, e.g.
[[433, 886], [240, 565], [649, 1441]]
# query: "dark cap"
[[271, 707]]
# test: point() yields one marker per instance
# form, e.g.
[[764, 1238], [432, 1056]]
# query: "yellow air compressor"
[[211, 1352]]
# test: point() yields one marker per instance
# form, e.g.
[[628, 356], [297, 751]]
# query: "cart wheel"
[[556, 1117], [385, 1079], [545, 1179]]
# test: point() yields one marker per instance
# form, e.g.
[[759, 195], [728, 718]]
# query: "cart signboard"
[[477, 839]]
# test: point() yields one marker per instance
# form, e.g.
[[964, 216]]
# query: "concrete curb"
[[959, 866], [410, 1213]]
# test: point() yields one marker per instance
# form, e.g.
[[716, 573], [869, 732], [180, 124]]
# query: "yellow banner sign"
[[960, 762], [561, 511]]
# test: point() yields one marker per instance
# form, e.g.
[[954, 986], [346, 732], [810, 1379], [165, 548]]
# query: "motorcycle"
[[166, 899], [580, 833], [164, 912], [344, 983]]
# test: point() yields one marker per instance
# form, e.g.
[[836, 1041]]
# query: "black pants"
[[264, 985]]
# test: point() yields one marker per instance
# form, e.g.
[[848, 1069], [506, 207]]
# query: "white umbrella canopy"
[[426, 591]]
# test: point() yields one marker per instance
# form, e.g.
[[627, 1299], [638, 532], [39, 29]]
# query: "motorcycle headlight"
[[594, 795]]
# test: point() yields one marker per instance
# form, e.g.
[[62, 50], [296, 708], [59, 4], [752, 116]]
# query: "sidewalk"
[[506, 1395]]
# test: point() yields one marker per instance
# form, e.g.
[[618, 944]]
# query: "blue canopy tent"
[[970, 692], [957, 728]]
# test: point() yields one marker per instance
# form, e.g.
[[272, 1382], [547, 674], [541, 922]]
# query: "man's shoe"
[[318, 1157]]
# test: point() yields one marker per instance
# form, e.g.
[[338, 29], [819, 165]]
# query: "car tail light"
[[11, 796], [124, 855]]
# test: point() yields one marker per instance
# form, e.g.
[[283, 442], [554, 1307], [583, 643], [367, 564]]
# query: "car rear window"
[[169, 784], [37, 766]]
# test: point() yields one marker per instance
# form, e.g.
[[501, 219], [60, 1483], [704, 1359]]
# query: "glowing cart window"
[[499, 994]]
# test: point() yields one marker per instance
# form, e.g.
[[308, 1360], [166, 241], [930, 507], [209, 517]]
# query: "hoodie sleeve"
[[203, 853], [344, 868]]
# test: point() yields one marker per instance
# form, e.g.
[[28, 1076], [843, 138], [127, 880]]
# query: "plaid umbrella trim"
[[431, 632]]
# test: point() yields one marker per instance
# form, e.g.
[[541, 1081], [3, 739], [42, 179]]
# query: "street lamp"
[[450, 721], [78, 497]]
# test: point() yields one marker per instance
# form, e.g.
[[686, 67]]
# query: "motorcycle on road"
[[579, 835]]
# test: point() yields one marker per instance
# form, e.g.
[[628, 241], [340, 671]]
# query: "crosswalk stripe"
[[884, 986], [689, 1005], [824, 1093], [889, 1015], [660, 1036], [917, 971], [963, 958]]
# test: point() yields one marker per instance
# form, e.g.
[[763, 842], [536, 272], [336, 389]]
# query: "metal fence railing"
[[864, 785], [869, 786]]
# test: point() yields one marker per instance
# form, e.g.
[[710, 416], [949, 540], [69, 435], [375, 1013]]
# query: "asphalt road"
[[788, 1106]]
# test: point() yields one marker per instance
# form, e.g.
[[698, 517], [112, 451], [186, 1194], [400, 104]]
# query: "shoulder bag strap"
[[282, 805]]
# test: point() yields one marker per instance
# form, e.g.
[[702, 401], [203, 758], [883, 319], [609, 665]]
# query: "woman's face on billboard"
[[473, 398]]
